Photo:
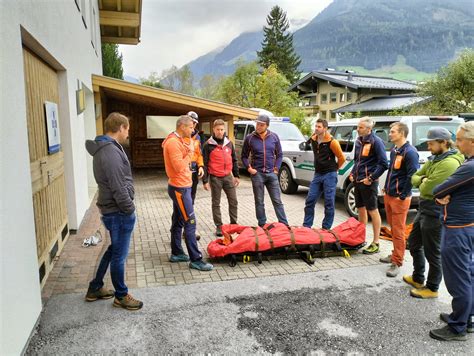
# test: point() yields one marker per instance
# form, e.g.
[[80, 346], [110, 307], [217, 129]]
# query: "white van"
[[298, 169]]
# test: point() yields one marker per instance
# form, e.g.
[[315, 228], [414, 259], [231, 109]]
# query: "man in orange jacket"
[[178, 155]]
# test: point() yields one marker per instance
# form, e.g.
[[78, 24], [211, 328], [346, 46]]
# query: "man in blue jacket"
[[370, 163], [457, 241], [403, 164], [266, 156]]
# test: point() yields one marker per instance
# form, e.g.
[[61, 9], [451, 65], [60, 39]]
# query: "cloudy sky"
[[174, 32]]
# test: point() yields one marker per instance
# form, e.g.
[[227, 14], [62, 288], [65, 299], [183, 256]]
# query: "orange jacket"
[[197, 155], [177, 154]]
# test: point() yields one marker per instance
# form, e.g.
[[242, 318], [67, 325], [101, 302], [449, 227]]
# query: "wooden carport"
[[139, 101]]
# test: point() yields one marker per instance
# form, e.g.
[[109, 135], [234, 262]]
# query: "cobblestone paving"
[[148, 264]]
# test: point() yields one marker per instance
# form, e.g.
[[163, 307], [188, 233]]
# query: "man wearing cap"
[[197, 162], [457, 243], [425, 237], [266, 156]]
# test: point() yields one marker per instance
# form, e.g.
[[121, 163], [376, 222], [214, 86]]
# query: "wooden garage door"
[[47, 170]]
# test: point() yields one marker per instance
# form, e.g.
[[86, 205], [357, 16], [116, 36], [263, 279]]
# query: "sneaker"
[[201, 265], [409, 279], [102, 293], [423, 293], [445, 317], [446, 334], [179, 258], [387, 259], [219, 230], [373, 248], [128, 302], [393, 270]]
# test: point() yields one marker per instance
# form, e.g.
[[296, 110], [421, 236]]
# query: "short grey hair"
[[183, 120], [369, 122], [468, 128]]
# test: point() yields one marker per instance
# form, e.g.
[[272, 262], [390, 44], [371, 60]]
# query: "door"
[[239, 136], [47, 168]]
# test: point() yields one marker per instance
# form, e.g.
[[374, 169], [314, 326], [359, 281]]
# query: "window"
[[381, 130], [420, 132], [250, 129], [346, 136], [349, 96], [333, 98], [333, 115], [239, 131], [342, 97], [324, 98], [322, 114]]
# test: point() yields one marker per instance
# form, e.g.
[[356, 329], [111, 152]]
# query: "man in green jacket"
[[425, 237]]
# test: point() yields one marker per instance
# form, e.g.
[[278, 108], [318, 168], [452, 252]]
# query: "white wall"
[[55, 31]]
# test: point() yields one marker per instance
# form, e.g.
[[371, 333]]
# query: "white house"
[[50, 49]]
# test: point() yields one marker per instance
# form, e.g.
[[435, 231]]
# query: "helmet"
[[193, 116]]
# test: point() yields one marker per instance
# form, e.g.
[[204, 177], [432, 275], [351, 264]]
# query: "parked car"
[[298, 169]]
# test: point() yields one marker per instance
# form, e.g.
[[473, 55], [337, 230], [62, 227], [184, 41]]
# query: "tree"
[[153, 80], [169, 78], [240, 88], [277, 46], [452, 89], [209, 87], [181, 80], [111, 61]]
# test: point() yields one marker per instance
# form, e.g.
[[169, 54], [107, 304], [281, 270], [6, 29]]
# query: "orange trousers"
[[397, 211]]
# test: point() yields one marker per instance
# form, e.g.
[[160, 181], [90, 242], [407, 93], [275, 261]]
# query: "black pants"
[[425, 242]]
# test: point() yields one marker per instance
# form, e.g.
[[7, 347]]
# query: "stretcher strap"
[[269, 237], [322, 244], [256, 238], [293, 240], [338, 240]]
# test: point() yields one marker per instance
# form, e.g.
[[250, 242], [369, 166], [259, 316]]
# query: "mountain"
[[371, 34]]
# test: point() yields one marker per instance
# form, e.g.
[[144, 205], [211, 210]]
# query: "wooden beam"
[[100, 5], [114, 18], [120, 40], [119, 5]]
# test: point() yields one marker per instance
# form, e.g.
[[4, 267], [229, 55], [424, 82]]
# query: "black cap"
[[264, 119], [438, 133]]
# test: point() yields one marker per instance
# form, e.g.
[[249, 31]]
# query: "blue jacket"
[[404, 162], [266, 154], [370, 158], [459, 211]]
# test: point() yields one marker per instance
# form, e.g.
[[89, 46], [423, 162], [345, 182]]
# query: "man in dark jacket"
[[403, 164], [457, 241], [265, 148], [370, 163], [113, 175], [222, 172]]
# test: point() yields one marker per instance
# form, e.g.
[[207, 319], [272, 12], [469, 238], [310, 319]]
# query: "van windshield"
[[286, 131], [420, 132]]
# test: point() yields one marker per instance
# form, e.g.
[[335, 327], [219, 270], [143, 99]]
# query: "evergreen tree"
[[111, 61], [277, 46]]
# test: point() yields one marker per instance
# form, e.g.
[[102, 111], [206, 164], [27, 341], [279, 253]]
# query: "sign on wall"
[[52, 125], [160, 126]]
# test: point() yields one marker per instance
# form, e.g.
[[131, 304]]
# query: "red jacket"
[[219, 159]]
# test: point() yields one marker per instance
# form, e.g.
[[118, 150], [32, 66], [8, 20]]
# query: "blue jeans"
[[183, 217], [120, 227], [269, 180], [457, 253], [321, 183]]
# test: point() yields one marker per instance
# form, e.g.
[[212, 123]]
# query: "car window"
[[381, 130], [250, 129], [287, 131], [239, 131], [420, 132], [346, 136]]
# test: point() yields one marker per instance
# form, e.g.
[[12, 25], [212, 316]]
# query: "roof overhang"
[[167, 100], [120, 21]]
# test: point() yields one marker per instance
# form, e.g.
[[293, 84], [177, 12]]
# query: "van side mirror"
[[305, 146]]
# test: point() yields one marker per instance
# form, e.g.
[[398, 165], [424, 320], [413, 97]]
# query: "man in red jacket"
[[222, 172]]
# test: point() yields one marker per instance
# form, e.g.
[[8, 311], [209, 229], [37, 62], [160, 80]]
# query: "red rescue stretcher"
[[249, 242]]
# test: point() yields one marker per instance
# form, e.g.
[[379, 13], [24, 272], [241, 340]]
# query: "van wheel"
[[349, 201], [287, 184]]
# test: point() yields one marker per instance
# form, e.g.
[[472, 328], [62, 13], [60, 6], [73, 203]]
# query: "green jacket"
[[436, 170]]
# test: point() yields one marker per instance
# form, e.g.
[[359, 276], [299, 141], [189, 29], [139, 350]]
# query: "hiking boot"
[[445, 317], [179, 258], [446, 334], [387, 259], [128, 302], [373, 248], [219, 230], [201, 265], [393, 270], [102, 293], [409, 279], [423, 293]]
